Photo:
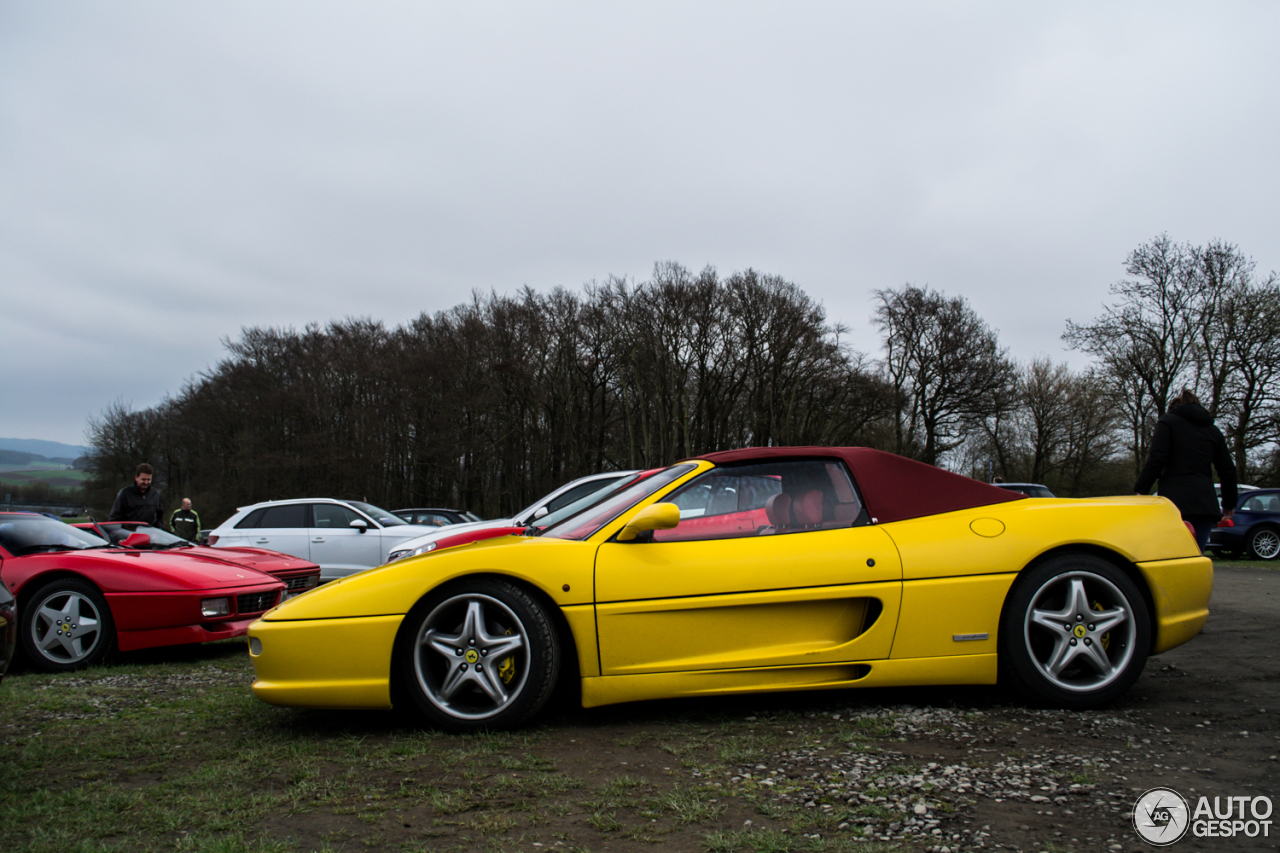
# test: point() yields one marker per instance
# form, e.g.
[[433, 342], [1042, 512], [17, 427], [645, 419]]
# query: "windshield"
[[22, 534], [378, 514], [551, 519], [587, 522], [159, 538]]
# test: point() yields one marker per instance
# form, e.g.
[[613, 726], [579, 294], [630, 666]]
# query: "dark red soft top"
[[894, 487]]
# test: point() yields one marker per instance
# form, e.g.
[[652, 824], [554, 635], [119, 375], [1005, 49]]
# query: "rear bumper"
[[1227, 538], [1180, 591]]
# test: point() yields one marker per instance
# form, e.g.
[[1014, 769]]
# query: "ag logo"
[[1161, 816]]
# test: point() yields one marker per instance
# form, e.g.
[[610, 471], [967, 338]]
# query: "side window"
[[789, 496], [332, 516], [253, 519], [286, 516]]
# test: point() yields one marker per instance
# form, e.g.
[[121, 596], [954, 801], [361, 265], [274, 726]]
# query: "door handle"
[[262, 541], [318, 539]]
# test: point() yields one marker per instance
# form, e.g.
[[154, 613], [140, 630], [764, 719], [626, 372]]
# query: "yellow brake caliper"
[[507, 668], [1106, 638]]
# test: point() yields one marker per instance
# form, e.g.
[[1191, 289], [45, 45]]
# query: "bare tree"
[[1146, 342], [945, 366]]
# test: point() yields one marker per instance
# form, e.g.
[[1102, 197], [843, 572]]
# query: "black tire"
[[479, 654], [66, 625], [1264, 543], [1075, 632]]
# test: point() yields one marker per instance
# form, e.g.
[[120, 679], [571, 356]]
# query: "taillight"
[[213, 539], [1226, 522], [1190, 529]]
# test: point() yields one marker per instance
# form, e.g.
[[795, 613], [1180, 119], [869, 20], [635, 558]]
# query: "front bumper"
[[324, 663]]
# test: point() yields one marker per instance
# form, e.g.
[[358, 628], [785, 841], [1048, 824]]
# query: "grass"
[[169, 750]]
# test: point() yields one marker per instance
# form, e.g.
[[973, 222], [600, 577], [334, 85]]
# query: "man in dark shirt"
[[139, 502], [185, 522]]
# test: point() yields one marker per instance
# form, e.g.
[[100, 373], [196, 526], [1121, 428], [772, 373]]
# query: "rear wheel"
[[1075, 631], [1264, 543], [66, 625], [479, 654]]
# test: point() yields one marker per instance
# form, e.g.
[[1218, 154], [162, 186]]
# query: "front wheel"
[[1075, 631], [1264, 543], [66, 625], [479, 654]]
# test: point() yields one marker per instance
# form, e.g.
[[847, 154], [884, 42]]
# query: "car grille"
[[256, 602], [299, 583]]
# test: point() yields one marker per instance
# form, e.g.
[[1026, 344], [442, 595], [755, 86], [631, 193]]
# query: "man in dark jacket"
[[1184, 450], [139, 502], [185, 522]]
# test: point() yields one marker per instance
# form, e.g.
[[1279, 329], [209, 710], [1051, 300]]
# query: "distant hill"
[[17, 457], [48, 449]]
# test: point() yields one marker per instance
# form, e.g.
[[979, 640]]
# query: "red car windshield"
[[587, 522], [23, 534], [120, 531]]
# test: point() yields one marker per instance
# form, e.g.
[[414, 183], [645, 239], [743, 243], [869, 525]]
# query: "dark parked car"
[[435, 516], [1031, 490], [1254, 530], [8, 628]]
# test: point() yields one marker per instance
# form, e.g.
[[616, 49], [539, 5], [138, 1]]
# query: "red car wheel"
[[66, 625]]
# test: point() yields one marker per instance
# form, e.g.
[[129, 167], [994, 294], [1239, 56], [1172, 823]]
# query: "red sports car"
[[298, 575], [79, 597]]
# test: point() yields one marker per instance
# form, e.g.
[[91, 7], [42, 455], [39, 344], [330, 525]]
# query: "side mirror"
[[360, 524], [136, 540], [539, 512], [661, 516]]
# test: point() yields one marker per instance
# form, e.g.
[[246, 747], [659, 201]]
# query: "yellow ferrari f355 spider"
[[764, 569]]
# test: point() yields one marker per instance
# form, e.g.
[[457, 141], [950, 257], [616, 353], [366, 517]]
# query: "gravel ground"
[[972, 769]]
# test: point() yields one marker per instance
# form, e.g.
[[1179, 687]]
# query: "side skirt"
[[955, 669]]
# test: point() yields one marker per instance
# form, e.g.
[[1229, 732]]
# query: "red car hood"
[[115, 569], [253, 558]]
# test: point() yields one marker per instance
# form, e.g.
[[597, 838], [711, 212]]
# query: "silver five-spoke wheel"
[[1079, 629], [66, 625], [1075, 631], [482, 654]]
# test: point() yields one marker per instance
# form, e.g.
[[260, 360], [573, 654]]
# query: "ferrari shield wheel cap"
[[1161, 816]]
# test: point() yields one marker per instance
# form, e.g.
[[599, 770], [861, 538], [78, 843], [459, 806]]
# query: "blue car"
[[1254, 530]]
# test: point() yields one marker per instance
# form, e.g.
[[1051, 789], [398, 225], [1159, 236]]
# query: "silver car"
[[561, 497], [343, 537]]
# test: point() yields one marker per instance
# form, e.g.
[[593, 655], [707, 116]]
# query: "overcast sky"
[[173, 172]]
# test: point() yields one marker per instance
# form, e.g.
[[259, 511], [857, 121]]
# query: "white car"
[[1240, 487], [344, 537], [561, 497]]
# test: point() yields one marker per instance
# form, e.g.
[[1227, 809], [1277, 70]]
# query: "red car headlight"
[[211, 608]]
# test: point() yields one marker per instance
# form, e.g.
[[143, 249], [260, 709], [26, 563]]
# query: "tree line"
[[489, 404]]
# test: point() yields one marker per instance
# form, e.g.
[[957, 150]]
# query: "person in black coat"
[[139, 502], [1185, 449]]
